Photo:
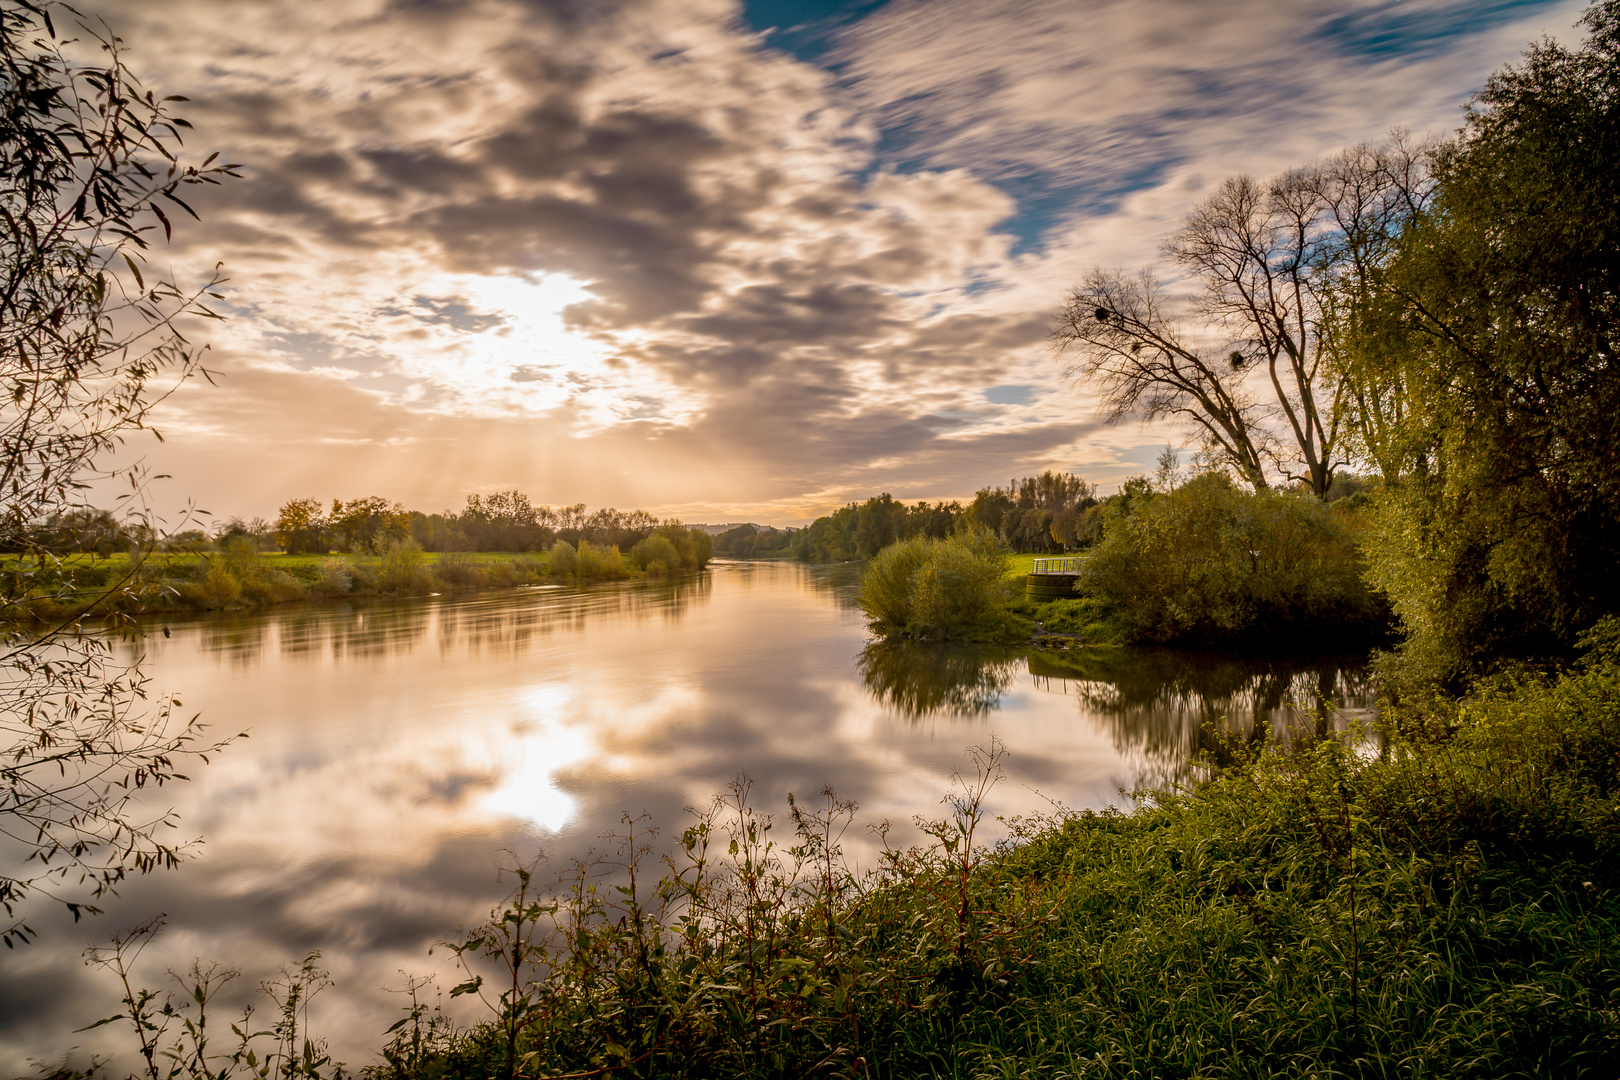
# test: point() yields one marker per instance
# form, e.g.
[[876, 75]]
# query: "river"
[[398, 753]]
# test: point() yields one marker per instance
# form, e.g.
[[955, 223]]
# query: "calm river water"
[[396, 750]]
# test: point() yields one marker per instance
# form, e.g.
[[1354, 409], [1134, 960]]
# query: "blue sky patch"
[[805, 28], [1009, 395]]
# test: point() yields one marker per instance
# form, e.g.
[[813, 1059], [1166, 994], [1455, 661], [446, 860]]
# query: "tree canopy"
[[1488, 334]]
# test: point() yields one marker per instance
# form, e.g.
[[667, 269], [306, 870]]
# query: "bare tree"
[[1247, 360]]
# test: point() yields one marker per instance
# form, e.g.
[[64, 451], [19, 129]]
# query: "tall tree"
[[1243, 361], [1491, 326]]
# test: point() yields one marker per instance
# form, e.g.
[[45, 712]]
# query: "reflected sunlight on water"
[[397, 749]]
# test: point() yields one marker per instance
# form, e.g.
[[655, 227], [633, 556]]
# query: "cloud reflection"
[[397, 749]]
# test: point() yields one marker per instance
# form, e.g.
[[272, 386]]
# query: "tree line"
[[1050, 512], [504, 521]]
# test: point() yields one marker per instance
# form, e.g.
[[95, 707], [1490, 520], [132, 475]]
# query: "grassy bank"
[[1440, 898], [210, 581]]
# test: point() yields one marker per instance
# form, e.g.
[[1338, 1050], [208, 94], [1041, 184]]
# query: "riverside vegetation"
[[1440, 898], [240, 575]]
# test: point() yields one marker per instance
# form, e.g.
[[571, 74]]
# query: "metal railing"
[[1057, 566]]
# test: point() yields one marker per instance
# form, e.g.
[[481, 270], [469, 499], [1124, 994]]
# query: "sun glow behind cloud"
[[506, 344]]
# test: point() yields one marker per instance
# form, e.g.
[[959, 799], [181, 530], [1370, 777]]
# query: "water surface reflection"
[[397, 748]]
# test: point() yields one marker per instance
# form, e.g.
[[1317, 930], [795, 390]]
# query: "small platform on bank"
[[1052, 579]]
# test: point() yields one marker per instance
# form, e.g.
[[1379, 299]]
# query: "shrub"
[[599, 563], [459, 569], [963, 580], [656, 548], [1207, 561], [561, 559], [937, 588], [219, 586], [404, 568], [885, 595], [272, 585], [241, 557], [336, 576]]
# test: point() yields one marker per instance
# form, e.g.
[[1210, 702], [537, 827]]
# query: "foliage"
[[508, 521], [886, 587], [655, 549], [87, 336], [561, 558], [861, 530], [404, 569], [89, 344], [1038, 513], [937, 588], [748, 541], [599, 563], [171, 1028], [368, 525], [1207, 562], [1487, 337], [301, 527]]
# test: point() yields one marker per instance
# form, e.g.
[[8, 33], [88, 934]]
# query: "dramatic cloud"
[[638, 252]]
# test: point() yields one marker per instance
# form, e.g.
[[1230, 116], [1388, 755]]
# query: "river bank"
[[1445, 905], [168, 582]]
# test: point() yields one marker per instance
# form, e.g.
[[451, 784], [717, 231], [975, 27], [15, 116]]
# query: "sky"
[[719, 261]]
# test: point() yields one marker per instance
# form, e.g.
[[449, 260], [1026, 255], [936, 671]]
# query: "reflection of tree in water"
[[504, 627], [921, 680], [839, 581], [1167, 707], [508, 621], [235, 638]]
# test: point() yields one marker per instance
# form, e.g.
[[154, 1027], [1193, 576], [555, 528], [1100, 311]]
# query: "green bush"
[[336, 576], [886, 587], [937, 588], [1207, 562], [272, 585], [599, 563], [219, 586], [459, 570], [962, 580], [561, 559], [656, 548], [404, 568]]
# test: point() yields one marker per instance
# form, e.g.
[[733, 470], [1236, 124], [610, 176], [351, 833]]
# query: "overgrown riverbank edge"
[[1442, 899], [242, 578]]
